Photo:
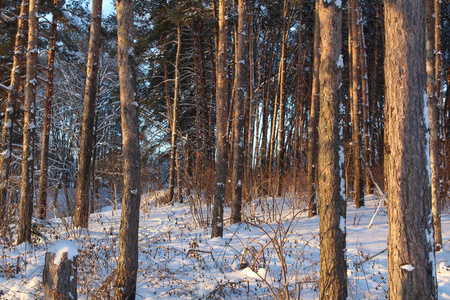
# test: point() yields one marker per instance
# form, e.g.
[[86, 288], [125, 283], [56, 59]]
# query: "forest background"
[[177, 48]]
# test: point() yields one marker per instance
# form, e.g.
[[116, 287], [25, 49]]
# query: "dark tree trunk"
[[221, 119], [238, 117], [314, 121], [355, 93], [11, 105], [87, 129], [43, 176]]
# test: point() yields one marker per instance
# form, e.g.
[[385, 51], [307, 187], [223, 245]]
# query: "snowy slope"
[[178, 260]]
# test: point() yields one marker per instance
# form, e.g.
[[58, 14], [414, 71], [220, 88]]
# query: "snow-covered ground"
[[179, 260]]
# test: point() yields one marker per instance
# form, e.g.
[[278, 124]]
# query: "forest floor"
[[179, 260]]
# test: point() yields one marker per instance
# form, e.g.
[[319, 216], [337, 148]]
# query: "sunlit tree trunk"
[[13, 96], [314, 120], [332, 207], [282, 100], [221, 120], [174, 121], [43, 176], [355, 92], [87, 130], [26, 187], [411, 262], [127, 263], [433, 115]]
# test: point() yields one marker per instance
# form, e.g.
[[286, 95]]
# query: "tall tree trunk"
[[26, 187], [127, 264], [314, 120], [411, 264], [433, 116], [174, 121], [238, 116], [221, 120], [43, 176], [87, 129], [332, 208], [355, 92], [13, 96], [250, 119], [281, 84], [365, 104]]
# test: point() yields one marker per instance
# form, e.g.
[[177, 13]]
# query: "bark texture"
[[60, 280], [43, 185], [332, 208], [433, 116], [26, 186], [127, 264], [411, 265], [87, 142], [238, 117], [314, 121], [355, 96], [221, 119]]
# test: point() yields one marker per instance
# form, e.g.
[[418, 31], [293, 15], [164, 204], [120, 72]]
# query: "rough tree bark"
[[26, 187], [87, 128], [314, 120], [221, 120], [411, 265], [43, 176], [332, 207], [355, 96], [127, 264], [433, 116], [238, 116]]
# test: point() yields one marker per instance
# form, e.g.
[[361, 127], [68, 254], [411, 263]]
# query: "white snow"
[[426, 119], [338, 3], [342, 224], [243, 264], [61, 247], [408, 268], [340, 61]]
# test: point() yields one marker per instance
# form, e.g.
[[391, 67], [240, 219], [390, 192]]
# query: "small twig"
[[370, 258]]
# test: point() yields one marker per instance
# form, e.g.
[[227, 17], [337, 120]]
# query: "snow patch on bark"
[[408, 268], [426, 122], [340, 61]]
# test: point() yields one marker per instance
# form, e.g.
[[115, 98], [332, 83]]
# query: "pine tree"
[[411, 265], [332, 208], [127, 264]]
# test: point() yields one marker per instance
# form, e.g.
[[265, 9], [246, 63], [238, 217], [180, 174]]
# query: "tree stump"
[[60, 274]]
